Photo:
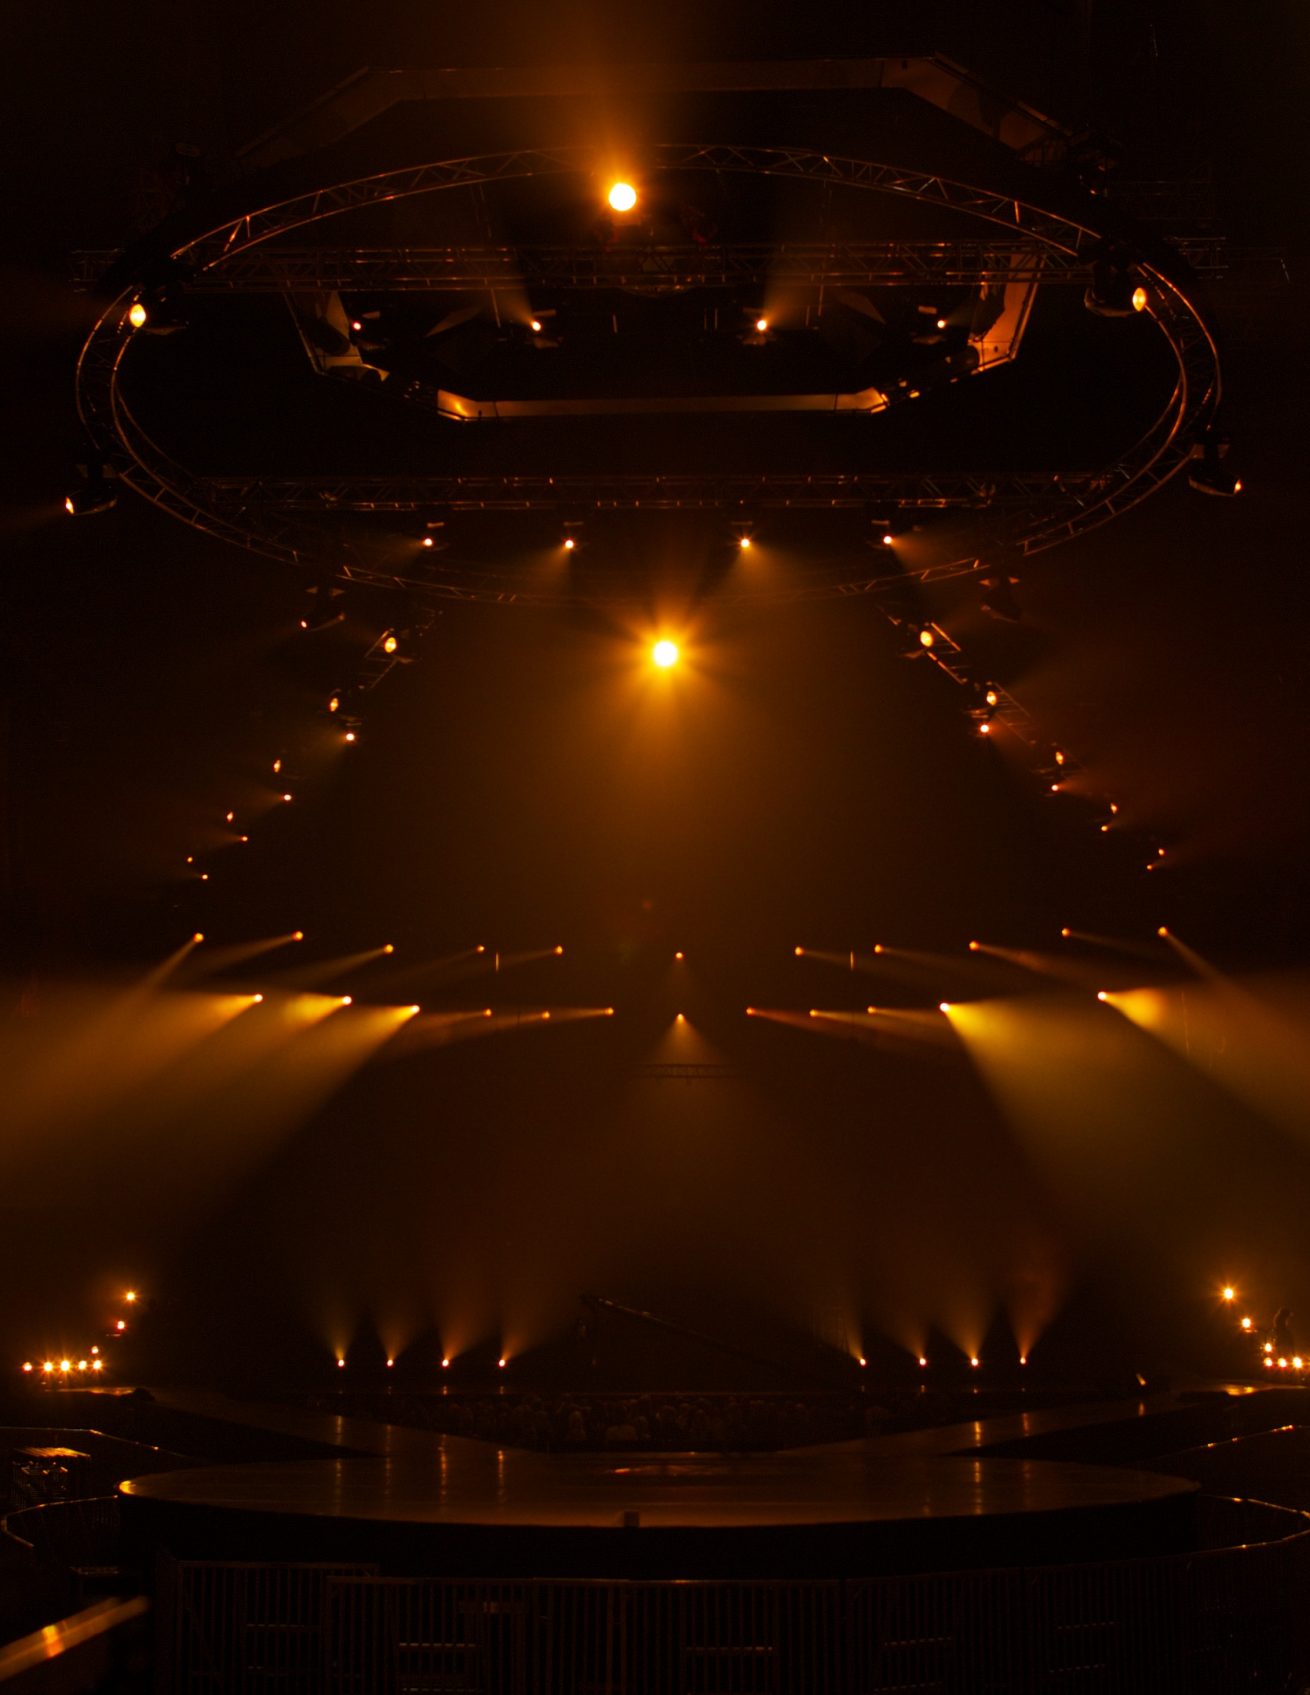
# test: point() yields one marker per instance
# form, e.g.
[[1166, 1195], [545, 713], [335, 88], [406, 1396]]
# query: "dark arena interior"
[[655, 1000]]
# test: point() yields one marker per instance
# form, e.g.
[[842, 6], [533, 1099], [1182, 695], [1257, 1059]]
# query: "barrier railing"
[[1205, 1623]]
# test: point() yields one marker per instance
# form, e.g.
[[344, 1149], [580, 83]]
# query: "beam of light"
[[508, 961], [216, 959], [664, 654], [1189, 956], [441, 1029], [313, 973], [1116, 944], [447, 968], [1256, 1047], [622, 197], [1092, 1100], [1061, 968], [81, 1057]]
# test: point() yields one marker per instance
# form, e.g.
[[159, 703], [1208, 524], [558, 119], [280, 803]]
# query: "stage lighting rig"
[[1210, 470], [1114, 291], [96, 492], [999, 600]]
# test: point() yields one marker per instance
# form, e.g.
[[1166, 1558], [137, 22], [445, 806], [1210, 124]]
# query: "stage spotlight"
[[346, 1000], [198, 936], [992, 697], [1112, 293], [622, 197], [999, 601], [534, 324], [943, 1006], [1246, 1324], [1102, 994], [762, 326], [1227, 1293], [137, 314], [97, 491], [445, 1364], [570, 542], [665, 654], [1209, 470], [973, 1361], [389, 643], [744, 541], [388, 947], [926, 638], [502, 1362]]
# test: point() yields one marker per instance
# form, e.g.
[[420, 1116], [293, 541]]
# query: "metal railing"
[[1205, 1622]]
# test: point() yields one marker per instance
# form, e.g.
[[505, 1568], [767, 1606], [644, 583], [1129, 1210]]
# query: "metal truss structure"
[[283, 518]]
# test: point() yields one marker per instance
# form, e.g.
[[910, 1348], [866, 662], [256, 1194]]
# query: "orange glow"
[[545, 1015], [973, 1361], [534, 324], [622, 197], [277, 767], [664, 654], [502, 1362], [984, 729], [129, 1297], [762, 325], [121, 1325], [1227, 1292], [877, 947], [744, 543], [297, 935], [81, 1365], [559, 950], [862, 1362], [1102, 995], [922, 1361], [390, 1363], [198, 937], [389, 644], [347, 1000], [1246, 1324], [97, 1365], [1066, 933], [678, 955], [1162, 931], [681, 1018], [799, 952], [926, 638], [48, 1366], [27, 1365], [428, 542], [943, 1006], [136, 314], [974, 946], [286, 797], [65, 1365], [1139, 299], [570, 542], [341, 1364], [1023, 1359], [445, 1364], [750, 1012]]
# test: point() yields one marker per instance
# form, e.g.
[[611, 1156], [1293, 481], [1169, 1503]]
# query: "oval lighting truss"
[[275, 516]]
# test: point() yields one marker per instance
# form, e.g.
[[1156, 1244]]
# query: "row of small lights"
[[67, 1368], [1228, 1294]]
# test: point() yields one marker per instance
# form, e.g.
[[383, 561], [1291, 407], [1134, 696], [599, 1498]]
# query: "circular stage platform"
[[839, 1510]]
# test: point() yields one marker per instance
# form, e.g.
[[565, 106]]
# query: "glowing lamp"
[[750, 1012], [414, 1010], [993, 698], [137, 314], [486, 1012], [388, 947], [1023, 1359], [943, 1006], [1227, 1292], [922, 1362], [984, 729], [428, 542], [1269, 1347], [480, 948], [445, 1364], [888, 539], [534, 325], [570, 542], [681, 1018], [762, 325], [1282, 1364], [287, 798], [1268, 1361], [204, 875], [678, 955], [558, 951], [974, 946], [622, 197], [973, 1361], [277, 767], [256, 1000], [334, 704], [129, 1297], [941, 323], [609, 1012], [665, 654], [198, 937], [1102, 995], [862, 1362], [341, 1364], [502, 1362], [70, 505], [926, 638], [297, 935], [744, 543], [389, 644], [81, 1365], [121, 1325], [1246, 1324], [95, 1350], [347, 1000], [390, 1364], [1066, 932], [97, 1365], [48, 1366], [545, 1015], [65, 1365], [1296, 1362], [1139, 299], [349, 736], [27, 1365], [1162, 931]]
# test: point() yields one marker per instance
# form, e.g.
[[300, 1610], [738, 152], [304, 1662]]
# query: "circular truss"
[[277, 517]]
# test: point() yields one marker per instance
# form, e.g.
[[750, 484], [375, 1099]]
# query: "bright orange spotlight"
[[414, 1010], [534, 324], [681, 1018], [1227, 1292], [341, 1364], [570, 542], [390, 1363], [286, 798], [1102, 995], [799, 952], [199, 936], [943, 1006], [445, 1363], [558, 951], [121, 1325], [48, 1366], [862, 1362], [65, 1365], [745, 543], [545, 1015], [609, 1012], [762, 325], [973, 1361], [926, 638], [389, 644], [256, 1000], [297, 935], [1246, 1324], [678, 955], [622, 197], [750, 1012], [130, 1296], [665, 654], [27, 1365], [922, 1362], [1066, 932], [1139, 299], [502, 1362], [137, 314], [974, 946], [97, 1365]]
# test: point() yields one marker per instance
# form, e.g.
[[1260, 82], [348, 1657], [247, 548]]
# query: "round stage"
[[839, 1510]]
